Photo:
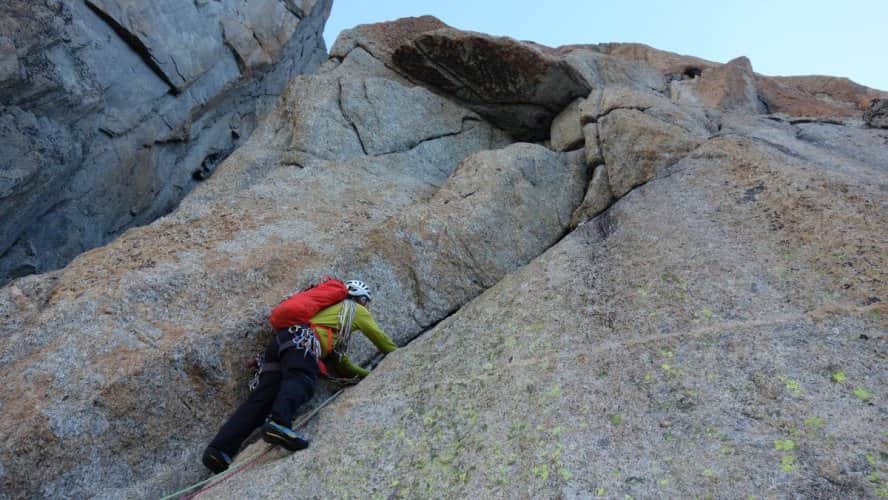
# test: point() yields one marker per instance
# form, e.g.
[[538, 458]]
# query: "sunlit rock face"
[[677, 290]]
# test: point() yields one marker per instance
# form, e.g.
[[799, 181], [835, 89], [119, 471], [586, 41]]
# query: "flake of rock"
[[876, 115], [566, 132]]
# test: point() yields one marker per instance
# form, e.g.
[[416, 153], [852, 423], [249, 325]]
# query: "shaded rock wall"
[[112, 110]]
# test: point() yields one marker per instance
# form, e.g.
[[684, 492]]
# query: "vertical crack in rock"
[[135, 44], [347, 119]]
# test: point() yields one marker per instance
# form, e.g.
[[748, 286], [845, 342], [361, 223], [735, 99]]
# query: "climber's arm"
[[364, 321], [345, 367]]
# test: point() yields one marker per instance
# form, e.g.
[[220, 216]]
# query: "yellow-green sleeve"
[[364, 321], [345, 367]]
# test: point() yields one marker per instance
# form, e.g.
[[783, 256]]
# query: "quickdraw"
[[262, 366]]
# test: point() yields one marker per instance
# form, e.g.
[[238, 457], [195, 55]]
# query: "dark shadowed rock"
[[124, 106], [176, 40], [876, 115], [518, 86], [383, 39], [9, 66]]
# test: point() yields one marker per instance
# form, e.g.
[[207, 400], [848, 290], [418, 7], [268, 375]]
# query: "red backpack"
[[299, 308]]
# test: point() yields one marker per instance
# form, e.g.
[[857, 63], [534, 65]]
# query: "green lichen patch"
[[788, 463], [784, 445], [793, 387], [862, 393], [814, 422]]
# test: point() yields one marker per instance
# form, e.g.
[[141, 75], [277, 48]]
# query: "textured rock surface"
[[599, 69], [667, 63], [592, 145], [112, 110], [382, 39], [274, 216], [717, 332], [717, 326], [567, 131], [817, 96], [811, 96], [598, 197], [640, 133], [876, 114], [516, 85], [730, 87]]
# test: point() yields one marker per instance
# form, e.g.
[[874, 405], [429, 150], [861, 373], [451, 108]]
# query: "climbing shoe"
[[275, 433], [216, 460]]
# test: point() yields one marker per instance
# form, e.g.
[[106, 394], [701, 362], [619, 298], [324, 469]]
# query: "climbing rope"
[[246, 463]]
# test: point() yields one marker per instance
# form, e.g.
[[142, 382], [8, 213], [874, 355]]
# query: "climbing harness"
[[262, 366], [300, 337], [306, 338]]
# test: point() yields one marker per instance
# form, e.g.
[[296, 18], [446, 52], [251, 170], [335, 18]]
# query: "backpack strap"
[[317, 331], [328, 332]]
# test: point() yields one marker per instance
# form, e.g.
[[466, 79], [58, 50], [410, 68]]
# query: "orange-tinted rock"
[[730, 87], [816, 96]]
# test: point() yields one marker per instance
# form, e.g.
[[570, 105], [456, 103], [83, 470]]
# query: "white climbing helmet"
[[358, 288]]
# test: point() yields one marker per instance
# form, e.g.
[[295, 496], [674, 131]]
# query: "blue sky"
[[791, 37]]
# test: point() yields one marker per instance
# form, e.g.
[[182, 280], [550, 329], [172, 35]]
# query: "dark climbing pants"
[[279, 395]]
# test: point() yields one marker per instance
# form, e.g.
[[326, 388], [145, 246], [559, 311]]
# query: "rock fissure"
[[462, 130], [596, 119], [134, 43], [178, 72], [348, 120]]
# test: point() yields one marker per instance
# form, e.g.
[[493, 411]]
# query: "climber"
[[290, 369]]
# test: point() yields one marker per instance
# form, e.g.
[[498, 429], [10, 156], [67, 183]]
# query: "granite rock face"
[[876, 114], [716, 330], [113, 110], [688, 302], [730, 88], [283, 209]]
